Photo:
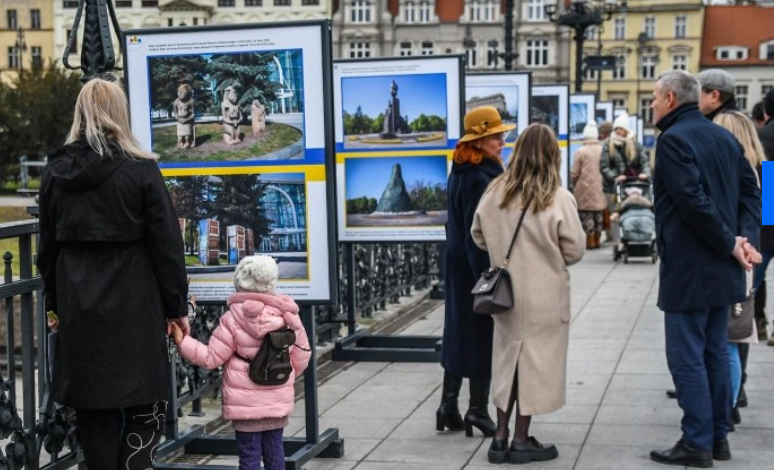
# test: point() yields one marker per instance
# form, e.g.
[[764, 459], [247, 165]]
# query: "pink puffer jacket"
[[242, 330]]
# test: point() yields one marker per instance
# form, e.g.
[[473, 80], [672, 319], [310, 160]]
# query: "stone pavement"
[[617, 410]]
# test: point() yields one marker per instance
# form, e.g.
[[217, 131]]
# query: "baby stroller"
[[634, 233]]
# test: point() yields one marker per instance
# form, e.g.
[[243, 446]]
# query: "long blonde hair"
[[102, 114], [744, 131], [533, 169]]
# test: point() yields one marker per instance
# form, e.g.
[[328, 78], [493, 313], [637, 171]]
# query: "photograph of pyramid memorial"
[[400, 191], [227, 107], [407, 111]]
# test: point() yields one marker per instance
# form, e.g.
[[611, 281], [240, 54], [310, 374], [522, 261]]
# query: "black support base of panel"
[[366, 348]]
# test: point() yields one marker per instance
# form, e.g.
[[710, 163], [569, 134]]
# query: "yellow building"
[[648, 38], [26, 35]]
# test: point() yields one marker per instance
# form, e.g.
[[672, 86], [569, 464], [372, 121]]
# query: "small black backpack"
[[271, 364]]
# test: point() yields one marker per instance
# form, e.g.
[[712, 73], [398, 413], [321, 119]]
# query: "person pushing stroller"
[[635, 220]]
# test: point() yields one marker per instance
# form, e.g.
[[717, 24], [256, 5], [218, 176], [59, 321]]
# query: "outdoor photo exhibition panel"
[[509, 93], [604, 112], [582, 111], [397, 121], [550, 105], [239, 116]]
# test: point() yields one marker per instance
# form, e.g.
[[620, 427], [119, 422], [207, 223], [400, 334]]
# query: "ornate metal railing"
[[37, 434]]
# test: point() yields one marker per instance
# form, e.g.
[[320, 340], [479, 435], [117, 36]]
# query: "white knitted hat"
[[622, 121], [257, 273], [591, 132]]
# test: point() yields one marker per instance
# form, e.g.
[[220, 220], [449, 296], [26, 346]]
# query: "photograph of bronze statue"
[[227, 107]]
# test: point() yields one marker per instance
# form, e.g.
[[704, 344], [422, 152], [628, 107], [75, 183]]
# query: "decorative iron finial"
[[98, 55]]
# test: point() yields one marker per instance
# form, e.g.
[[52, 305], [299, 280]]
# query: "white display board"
[[551, 105]]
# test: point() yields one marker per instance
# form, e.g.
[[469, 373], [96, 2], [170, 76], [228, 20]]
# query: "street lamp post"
[[97, 52], [469, 45], [580, 16], [19, 47], [509, 56], [643, 47]]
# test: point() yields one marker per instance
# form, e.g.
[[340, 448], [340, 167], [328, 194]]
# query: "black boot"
[[448, 414], [478, 415]]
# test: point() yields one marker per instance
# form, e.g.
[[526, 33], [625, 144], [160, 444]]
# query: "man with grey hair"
[[708, 215], [717, 92]]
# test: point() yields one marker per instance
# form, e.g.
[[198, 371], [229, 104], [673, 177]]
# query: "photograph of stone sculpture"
[[400, 111], [545, 109], [227, 107], [578, 117], [225, 218], [504, 98], [395, 191]]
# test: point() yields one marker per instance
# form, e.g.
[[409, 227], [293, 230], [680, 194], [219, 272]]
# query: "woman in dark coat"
[[111, 258], [467, 337]]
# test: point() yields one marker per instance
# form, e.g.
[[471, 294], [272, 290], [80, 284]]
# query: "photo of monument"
[[227, 107], [545, 109], [579, 115], [227, 217], [403, 111], [504, 98], [397, 191]]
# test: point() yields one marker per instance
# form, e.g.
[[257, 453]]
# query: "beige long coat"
[[533, 335], [586, 179]]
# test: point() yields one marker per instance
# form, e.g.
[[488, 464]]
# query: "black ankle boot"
[[448, 414], [478, 415]]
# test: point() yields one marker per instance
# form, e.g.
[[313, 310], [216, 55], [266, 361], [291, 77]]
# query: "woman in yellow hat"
[[467, 337]]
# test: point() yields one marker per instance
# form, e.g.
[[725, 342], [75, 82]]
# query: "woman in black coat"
[[111, 258], [467, 337]]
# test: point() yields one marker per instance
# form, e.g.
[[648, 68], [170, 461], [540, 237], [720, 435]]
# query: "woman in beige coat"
[[586, 181], [529, 364]]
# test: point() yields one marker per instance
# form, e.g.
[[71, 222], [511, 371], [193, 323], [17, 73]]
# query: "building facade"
[[475, 28], [740, 39], [648, 38], [133, 14], [26, 35]]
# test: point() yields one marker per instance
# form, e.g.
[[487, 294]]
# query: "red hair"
[[466, 152]]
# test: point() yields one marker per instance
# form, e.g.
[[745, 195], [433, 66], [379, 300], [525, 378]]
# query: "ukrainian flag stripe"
[[311, 172]]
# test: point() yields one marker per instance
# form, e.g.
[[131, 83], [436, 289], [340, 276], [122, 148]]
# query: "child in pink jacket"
[[258, 412]]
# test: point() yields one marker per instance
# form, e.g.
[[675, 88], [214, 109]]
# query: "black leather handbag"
[[493, 293], [741, 319]]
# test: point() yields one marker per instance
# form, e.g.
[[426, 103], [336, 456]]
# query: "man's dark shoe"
[[671, 393], [741, 401], [681, 454], [524, 452], [720, 450], [736, 417]]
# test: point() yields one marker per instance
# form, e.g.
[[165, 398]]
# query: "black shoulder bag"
[[271, 364], [493, 293]]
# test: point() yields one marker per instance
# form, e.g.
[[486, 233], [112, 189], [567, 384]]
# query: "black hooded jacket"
[[111, 258]]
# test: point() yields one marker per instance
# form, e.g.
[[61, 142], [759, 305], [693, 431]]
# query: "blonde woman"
[[745, 132], [111, 258], [529, 364]]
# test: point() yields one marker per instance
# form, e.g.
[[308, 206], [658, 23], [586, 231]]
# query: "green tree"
[[428, 197], [378, 123], [236, 200], [361, 124], [36, 111], [249, 73], [168, 73]]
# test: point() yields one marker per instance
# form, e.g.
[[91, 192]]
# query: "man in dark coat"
[[717, 92], [708, 210], [766, 134]]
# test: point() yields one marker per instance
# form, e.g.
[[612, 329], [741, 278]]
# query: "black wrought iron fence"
[[37, 434]]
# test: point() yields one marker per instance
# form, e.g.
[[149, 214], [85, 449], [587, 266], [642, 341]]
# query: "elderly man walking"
[[708, 214]]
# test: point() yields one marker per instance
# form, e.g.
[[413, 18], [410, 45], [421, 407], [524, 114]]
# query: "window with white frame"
[[359, 49], [648, 67], [427, 48], [35, 19], [731, 53], [491, 53], [681, 26], [645, 111], [404, 49], [590, 74], [765, 89], [409, 12], [475, 10], [679, 62], [619, 72], [37, 56], [618, 101], [535, 10], [619, 28], [740, 93], [13, 21], [360, 11], [537, 53], [471, 55], [13, 58], [767, 51], [425, 12], [592, 33], [650, 27], [490, 10]]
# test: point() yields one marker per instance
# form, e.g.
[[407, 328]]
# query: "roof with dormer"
[[736, 26]]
